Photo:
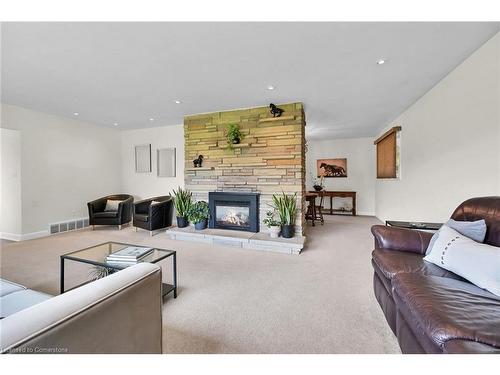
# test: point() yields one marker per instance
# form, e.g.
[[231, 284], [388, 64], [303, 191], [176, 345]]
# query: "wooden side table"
[[340, 194]]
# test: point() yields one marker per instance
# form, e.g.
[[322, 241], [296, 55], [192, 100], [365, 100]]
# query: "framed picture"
[[331, 167], [166, 162], [143, 158]]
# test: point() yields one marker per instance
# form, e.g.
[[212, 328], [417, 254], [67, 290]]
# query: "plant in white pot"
[[272, 224]]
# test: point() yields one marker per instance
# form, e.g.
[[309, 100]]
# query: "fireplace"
[[236, 211]]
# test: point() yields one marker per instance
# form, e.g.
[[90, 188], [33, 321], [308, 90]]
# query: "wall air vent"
[[68, 225]]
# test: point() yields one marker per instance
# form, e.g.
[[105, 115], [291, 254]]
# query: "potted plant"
[[199, 214], [182, 202], [233, 135], [273, 224], [286, 206]]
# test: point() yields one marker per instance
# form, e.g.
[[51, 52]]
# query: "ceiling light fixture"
[[270, 87], [380, 62], [76, 114], [177, 101], [151, 119], [115, 124]]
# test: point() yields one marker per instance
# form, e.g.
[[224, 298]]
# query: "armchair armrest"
[[125, 210], [121, 313], [97, 205], [142, 207], [400, 239]]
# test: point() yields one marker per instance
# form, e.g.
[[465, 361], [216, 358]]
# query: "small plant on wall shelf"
[[233, 135]]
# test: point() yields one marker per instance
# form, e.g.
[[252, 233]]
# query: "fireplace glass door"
[[230, 215]]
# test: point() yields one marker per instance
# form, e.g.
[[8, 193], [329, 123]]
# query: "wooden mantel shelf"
[[281, 118], [238, 145], [200, 169]]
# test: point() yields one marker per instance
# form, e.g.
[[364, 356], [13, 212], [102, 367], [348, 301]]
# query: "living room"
[[236, 196]]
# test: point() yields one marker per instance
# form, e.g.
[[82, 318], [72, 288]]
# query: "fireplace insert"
[[236, 211]]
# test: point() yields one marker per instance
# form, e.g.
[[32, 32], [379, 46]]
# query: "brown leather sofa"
[[429, 309]]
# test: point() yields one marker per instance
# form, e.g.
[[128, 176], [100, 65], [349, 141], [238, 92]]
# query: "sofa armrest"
[[121, 313], [468, 347], [391, 238]]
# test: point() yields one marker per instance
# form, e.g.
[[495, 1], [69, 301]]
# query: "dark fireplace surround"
[[235, 211]]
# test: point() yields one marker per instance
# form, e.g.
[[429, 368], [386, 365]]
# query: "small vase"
[[200, 225], [274, 231], [236, 141], [182, 222], [318, 187], [287, 231]]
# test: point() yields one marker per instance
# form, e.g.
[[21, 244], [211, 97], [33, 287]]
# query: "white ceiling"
[[130, 72]]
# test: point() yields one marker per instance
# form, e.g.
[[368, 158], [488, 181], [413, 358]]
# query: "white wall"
[[145, 185], [450, 143], [360, 154], [65, 163], [10, 184]]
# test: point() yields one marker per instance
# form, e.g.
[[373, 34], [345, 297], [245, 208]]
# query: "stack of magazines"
[[129, 255]]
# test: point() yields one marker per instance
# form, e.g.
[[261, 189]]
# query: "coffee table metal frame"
[[166, 288]]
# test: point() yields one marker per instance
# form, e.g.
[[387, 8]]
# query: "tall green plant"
[[182, 201], [286, 206]]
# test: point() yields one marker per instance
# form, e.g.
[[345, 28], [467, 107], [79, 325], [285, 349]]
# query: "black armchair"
[[153, 216], [97, 215]]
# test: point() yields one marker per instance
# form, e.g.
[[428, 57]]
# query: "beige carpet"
[[242, 301]]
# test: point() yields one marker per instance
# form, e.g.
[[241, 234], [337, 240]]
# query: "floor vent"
[[65, 226]]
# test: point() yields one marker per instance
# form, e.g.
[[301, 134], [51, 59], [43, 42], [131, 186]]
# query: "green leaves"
[[233, 135], [182, 201], [198, 212], [286, 206], [270, 221]]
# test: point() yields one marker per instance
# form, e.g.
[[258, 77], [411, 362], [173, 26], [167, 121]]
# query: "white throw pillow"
[[112, 205], [477, 262]]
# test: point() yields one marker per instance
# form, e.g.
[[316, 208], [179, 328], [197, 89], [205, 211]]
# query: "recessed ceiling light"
[[380, 62], [76, 114], [270, 87], [115, 124], [177, 101]]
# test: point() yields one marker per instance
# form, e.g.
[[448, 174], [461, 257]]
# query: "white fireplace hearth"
[[239, 239]]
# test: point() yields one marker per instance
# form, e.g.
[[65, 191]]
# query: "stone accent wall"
[[269, 160]]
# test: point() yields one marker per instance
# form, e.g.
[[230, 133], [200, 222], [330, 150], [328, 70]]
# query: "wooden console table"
[[339, 194]]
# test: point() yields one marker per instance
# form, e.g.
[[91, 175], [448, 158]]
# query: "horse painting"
[[332, 167]]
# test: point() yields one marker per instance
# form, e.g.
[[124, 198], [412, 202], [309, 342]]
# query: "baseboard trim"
[[365, 213], [32, 236], [10, 236], [23, 237]]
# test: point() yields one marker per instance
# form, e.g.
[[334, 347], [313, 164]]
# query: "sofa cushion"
[[7, 287], [477, 262], [443, 309], [106, 214], [391, 263], [20, 300], [141, 217]]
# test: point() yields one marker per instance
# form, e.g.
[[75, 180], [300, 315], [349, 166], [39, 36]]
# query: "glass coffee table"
[[96, 256]]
